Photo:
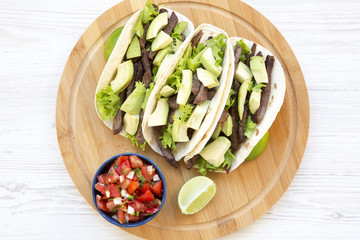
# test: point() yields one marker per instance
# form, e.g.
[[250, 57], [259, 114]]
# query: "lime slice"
[[111, 42], [259, 147], [195, 194]]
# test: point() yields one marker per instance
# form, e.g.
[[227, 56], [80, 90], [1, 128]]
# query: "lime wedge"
[[195, 194]]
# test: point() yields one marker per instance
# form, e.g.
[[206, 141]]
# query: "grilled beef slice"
[[183, 37], [242, 137], [172, 102], [234, 138], [248, 56], [195, 85], [196, 39], [173, 20], [211, 93], [202, 95], [259, 114], [165, 151], [146, 78], [191, 161], [138, 71], [117, 122], [162, 10], [143, 39], [259, 54], [237, 54], [139, 134]]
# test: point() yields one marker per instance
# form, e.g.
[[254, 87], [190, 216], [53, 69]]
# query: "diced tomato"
[[120, 214], [114, 190], [133, 186], [155, 203], [136, 162], [135, 178], [125, 183], [151, 211], [156, 188], [123, 159], [148, 176], [112, 176], [101, 204], [146, 196], [111, 206], [124, 169], [132, 218], [116, 163], [100, 187], [101, 178], [145, 186], [138, 206]]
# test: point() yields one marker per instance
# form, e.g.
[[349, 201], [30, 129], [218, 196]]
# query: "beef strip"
[[234, 137], [195, 85], [172, 102], [259, 54], [138, 71], [248, 56], [224, 116], [190, 132], [191, 161], [242, 137], [191, 98], [237, 54], [139, 134], [202, 95], [136, 59], [196, 39], [183, 37], [156, 7], [143, 39], [171, 115], [259, 114], [173, 20], [236, 86], [211, 93], [146, 78], [165, 151], [117, 122], [162, 10], [210, 37], [152, 55]]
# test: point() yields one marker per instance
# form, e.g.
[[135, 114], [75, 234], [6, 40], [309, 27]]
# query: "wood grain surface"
[[38, 199], [243, 195]]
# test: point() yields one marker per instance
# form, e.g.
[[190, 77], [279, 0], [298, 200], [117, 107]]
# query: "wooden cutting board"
[[243, 195]]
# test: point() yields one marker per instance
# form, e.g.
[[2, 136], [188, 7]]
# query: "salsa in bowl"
[[128, 190]]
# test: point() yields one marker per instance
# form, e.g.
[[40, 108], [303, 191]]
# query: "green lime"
[[195, 194], [259, 147], [111, 41]]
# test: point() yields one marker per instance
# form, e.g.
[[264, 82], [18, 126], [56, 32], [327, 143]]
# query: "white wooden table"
[[38, 200]]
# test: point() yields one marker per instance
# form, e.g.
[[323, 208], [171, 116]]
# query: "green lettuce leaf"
[[218, 45], [229, 157], [244, 49], [139, 29], [107, 103], [249, 127], [179, 29], [167, 140], [147, 95], [149, 12], [194, 62], [230, 101], [183, 113], [204, 166], [135, 142]]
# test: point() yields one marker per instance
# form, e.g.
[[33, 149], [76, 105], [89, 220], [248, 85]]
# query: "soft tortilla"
[[119, 52], [276, 100], [183, 149]]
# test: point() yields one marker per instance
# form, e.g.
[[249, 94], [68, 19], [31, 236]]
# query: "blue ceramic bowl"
[[103, 168]]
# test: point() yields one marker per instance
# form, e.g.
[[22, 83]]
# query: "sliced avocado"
[[125, 72], [207, 78], [156, 25], [242, 97], [167, 91], [185, 87], [131, 123], [214, 152], [216, 133], [160, 115], [254, 101], [257, 65], [133, 102], [228, 126], [161, 55], [208, 61], [161, 41], [198, 114], [243, 73], [179, 132], [134, 49]]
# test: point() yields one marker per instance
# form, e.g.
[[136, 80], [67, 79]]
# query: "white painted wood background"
[[38, 200]]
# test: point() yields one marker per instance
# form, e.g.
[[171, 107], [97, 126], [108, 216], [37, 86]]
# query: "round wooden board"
[[243, 195]]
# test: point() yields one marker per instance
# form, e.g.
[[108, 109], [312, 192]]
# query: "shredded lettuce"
[[178, 30], [139, 30], [107, 103], [135, 142], [194, 62], [229, 157], [149, 12], [154, 71], [204, 166], [249, 127], [183, 113], [244, 50], [230, 101], [147, 95], [167, 140], [218, 45], [257, 87]]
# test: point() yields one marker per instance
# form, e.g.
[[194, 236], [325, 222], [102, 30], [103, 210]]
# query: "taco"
[[185, 100], [246, 112], [147, 44]]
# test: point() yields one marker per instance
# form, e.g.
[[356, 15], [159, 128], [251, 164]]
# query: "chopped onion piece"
[[130, 175], [122, 178], [123, 192], [156, 178]]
